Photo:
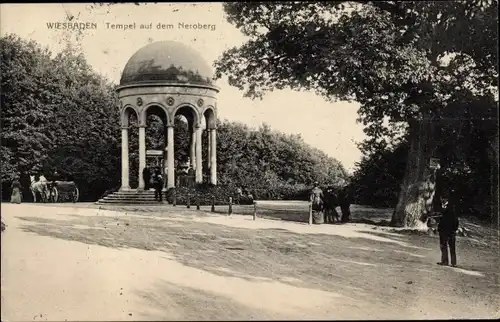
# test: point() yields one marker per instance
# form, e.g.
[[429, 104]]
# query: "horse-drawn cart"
[[61, 191]]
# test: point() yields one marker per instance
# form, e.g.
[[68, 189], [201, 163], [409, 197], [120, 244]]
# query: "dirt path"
[[61, 263]]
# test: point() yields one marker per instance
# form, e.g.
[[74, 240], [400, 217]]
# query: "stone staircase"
[[132, 197]]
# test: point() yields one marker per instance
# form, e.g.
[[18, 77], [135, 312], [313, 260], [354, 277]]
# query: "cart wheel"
[[76, 195], [55, 195]]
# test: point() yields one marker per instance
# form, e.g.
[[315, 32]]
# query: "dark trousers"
[[448, 240], [158, 193]]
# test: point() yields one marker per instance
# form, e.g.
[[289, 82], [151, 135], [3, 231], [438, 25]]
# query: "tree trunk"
[[493, 154], [418, 188]]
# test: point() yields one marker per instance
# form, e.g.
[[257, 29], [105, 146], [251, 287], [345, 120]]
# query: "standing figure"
[[316, 198], [345, 200], [158, 185], [239, 194], [16, 191], [447, 227], [185, 167], [53, 183], [56, 176], [146, 176]]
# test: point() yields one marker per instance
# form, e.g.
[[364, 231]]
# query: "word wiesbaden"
[[71, 25], [130, 26]]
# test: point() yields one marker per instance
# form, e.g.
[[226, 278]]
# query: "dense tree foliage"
[[468, 168], [413, 67], [267, 159], [378, 176], [57, 113]]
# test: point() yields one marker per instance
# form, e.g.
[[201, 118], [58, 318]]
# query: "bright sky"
[[329, 127]]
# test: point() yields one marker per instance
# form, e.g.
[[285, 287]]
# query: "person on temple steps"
[[146, 175], [158, 185]]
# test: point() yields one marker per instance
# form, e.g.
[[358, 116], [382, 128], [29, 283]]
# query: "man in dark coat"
[[146, 176], [447, 227], [55, 176], [158, 185]]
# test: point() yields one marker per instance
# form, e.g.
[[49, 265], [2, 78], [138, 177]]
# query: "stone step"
[[130, 202], [137, 197], [134, 196], [133, 193], [129, 197]]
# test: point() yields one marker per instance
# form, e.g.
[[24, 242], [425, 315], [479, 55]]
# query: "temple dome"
[[165, 62]]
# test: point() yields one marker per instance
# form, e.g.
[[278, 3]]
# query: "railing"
[[260, 208], [186, 181], [189, 181]]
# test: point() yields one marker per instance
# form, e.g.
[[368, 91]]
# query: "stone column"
[[164, 166], [213, 156], [125, 165], [209, 148], [192, 148], [199, 169], [142, 154], [170, 157]]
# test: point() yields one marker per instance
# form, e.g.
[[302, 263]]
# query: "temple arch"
[[157, 109], [189, 111], [210, 117], [125, 115]]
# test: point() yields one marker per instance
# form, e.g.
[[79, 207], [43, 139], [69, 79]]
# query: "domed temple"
[[168, 78]]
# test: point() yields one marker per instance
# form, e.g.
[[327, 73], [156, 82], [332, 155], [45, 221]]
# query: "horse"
[[40, 187], [330, 203], [334, 197]]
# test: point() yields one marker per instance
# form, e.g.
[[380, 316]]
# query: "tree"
[[57, 113], [378, 176], [387, 56], [267, 159], [25, 67]]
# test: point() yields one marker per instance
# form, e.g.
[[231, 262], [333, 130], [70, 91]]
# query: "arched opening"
[[210, 118], [185, 119], [182, 139], [156, 121]]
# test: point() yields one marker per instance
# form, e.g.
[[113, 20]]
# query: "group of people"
[[325, 201], [447, 226], [243, 196]]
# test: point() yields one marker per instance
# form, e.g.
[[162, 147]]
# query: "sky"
[[331, 127]]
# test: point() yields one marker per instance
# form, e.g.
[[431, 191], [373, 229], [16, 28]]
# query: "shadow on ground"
[[204, 305], [374, 271]]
